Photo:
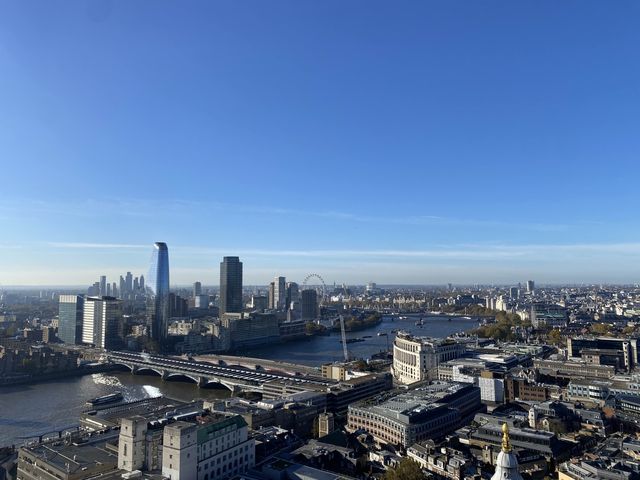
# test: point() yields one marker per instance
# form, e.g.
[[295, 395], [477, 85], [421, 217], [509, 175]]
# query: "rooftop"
[[414, 402], [78, 457]]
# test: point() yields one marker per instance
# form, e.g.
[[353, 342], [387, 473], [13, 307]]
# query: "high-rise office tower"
[[94, 289], [108, 294], [128, 280], [197, 289], [136, 285], [309, 304], [178, 306], [514, 293], [142, 276], [123, 287], [293, 294], [103, 285], [230, 285], [271, 295], [157, 291], [259, 303], [279, 292], [101, 323], [70, 317], [114, 290], [530, 286]]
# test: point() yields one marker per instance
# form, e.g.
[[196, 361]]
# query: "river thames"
[[31, 409]]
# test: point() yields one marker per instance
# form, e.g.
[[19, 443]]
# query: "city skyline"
[[208, 277], [366, 142], [344, 261]]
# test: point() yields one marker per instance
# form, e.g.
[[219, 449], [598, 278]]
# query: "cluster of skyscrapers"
[[287, 296], [97, 318], [129, 287]]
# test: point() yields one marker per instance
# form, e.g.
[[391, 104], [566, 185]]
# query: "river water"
[[32, 409], [322, 349]]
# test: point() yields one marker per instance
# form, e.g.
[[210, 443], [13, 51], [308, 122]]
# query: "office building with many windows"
[[102, 322], [70, 317], [279, 292], [425, 413], [309, 304], [417, 358], [230, 285], [216, 449]]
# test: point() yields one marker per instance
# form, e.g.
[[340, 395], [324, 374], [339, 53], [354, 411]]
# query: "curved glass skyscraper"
[[158, 292]]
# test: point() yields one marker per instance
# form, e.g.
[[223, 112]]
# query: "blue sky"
[[397, 142]]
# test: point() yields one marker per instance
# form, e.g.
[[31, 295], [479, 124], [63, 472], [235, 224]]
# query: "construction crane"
[[344, 339]]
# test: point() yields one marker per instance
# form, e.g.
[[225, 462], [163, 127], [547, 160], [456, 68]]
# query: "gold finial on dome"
[[506, 444]]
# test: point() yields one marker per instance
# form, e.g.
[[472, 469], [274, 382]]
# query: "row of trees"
[[468, 310], [354, 323], [555, 336], [313, 328], [502, 328]]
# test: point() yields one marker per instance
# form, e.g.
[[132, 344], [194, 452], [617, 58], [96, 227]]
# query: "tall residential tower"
[[157, 289], [279, 292]]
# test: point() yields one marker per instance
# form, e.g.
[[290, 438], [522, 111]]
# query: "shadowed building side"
[[230, 285]]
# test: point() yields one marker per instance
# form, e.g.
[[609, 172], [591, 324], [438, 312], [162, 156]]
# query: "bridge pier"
[[165, 375], [202, 381]]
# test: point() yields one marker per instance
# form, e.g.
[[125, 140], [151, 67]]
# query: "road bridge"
[[235, 379]]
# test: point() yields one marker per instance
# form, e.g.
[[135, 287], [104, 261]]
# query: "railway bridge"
[[204, 373]]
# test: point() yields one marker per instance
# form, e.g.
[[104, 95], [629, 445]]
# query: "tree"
[[600, 328], [554, 337], [407, 469], [360, 366], [312, 328]]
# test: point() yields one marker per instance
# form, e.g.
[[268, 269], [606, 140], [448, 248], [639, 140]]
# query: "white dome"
[[506, 467], [507, 460]]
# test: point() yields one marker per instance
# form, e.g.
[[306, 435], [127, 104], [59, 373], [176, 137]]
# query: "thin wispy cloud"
[[154, 209], [95, 245], [7, 246], [468, 251]]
